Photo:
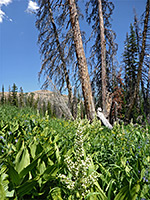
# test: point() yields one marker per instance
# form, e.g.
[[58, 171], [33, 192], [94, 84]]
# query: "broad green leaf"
[[18, 145], [27, 169], [3, 169], [10, 194], [22, 159], [19, 154], [56, 193], [27, 187], [13, 174], [42, 167], [50, 172], [2, 192], [134, 191], [33, 147], [57, 153]]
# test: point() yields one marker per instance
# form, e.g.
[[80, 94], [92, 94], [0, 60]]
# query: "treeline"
[[121, 90], [20, 99], [36, 101]]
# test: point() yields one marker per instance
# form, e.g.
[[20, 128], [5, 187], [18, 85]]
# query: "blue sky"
[[19, 53]]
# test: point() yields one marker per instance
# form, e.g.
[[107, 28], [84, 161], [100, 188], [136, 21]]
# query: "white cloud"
[[2, 14], [32, 7], [5, 2]]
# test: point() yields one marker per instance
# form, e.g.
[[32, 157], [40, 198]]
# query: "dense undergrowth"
[[43, 158]]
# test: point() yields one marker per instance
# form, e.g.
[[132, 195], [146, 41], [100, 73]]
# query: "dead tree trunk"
[[70, 95], [148, 94], [142, 53], [103, 118], [103, 58], [82, 64]]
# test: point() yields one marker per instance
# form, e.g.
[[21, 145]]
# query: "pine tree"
[[36, 102], [44, 108], [141, 60], [21, 97], [49, 109], [3, 96], [130, 62], [31, 99], [14, 97], [9, 96]]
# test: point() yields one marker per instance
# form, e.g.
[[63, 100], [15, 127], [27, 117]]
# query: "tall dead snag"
[[103, 58], [82, 64], [141, 59], [70, 95], [54, 62]]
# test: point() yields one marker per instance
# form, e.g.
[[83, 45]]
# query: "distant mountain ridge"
[[44, 94], [58, 102]]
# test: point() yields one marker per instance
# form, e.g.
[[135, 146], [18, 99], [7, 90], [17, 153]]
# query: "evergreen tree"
[[130, 62], [3, 96], [44, 108], [49, 109], [21, 97], [31, 100], [9, 96], [14, 97], [36, 102], [54, 110], [142, 54]]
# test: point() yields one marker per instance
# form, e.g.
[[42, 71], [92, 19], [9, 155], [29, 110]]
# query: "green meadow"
[[53, 159]]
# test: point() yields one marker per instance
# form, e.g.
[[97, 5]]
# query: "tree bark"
[[148, 93], [103, 58], [103, 118], [140, 61], [82, 64], [70, 95], [138, 46]]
